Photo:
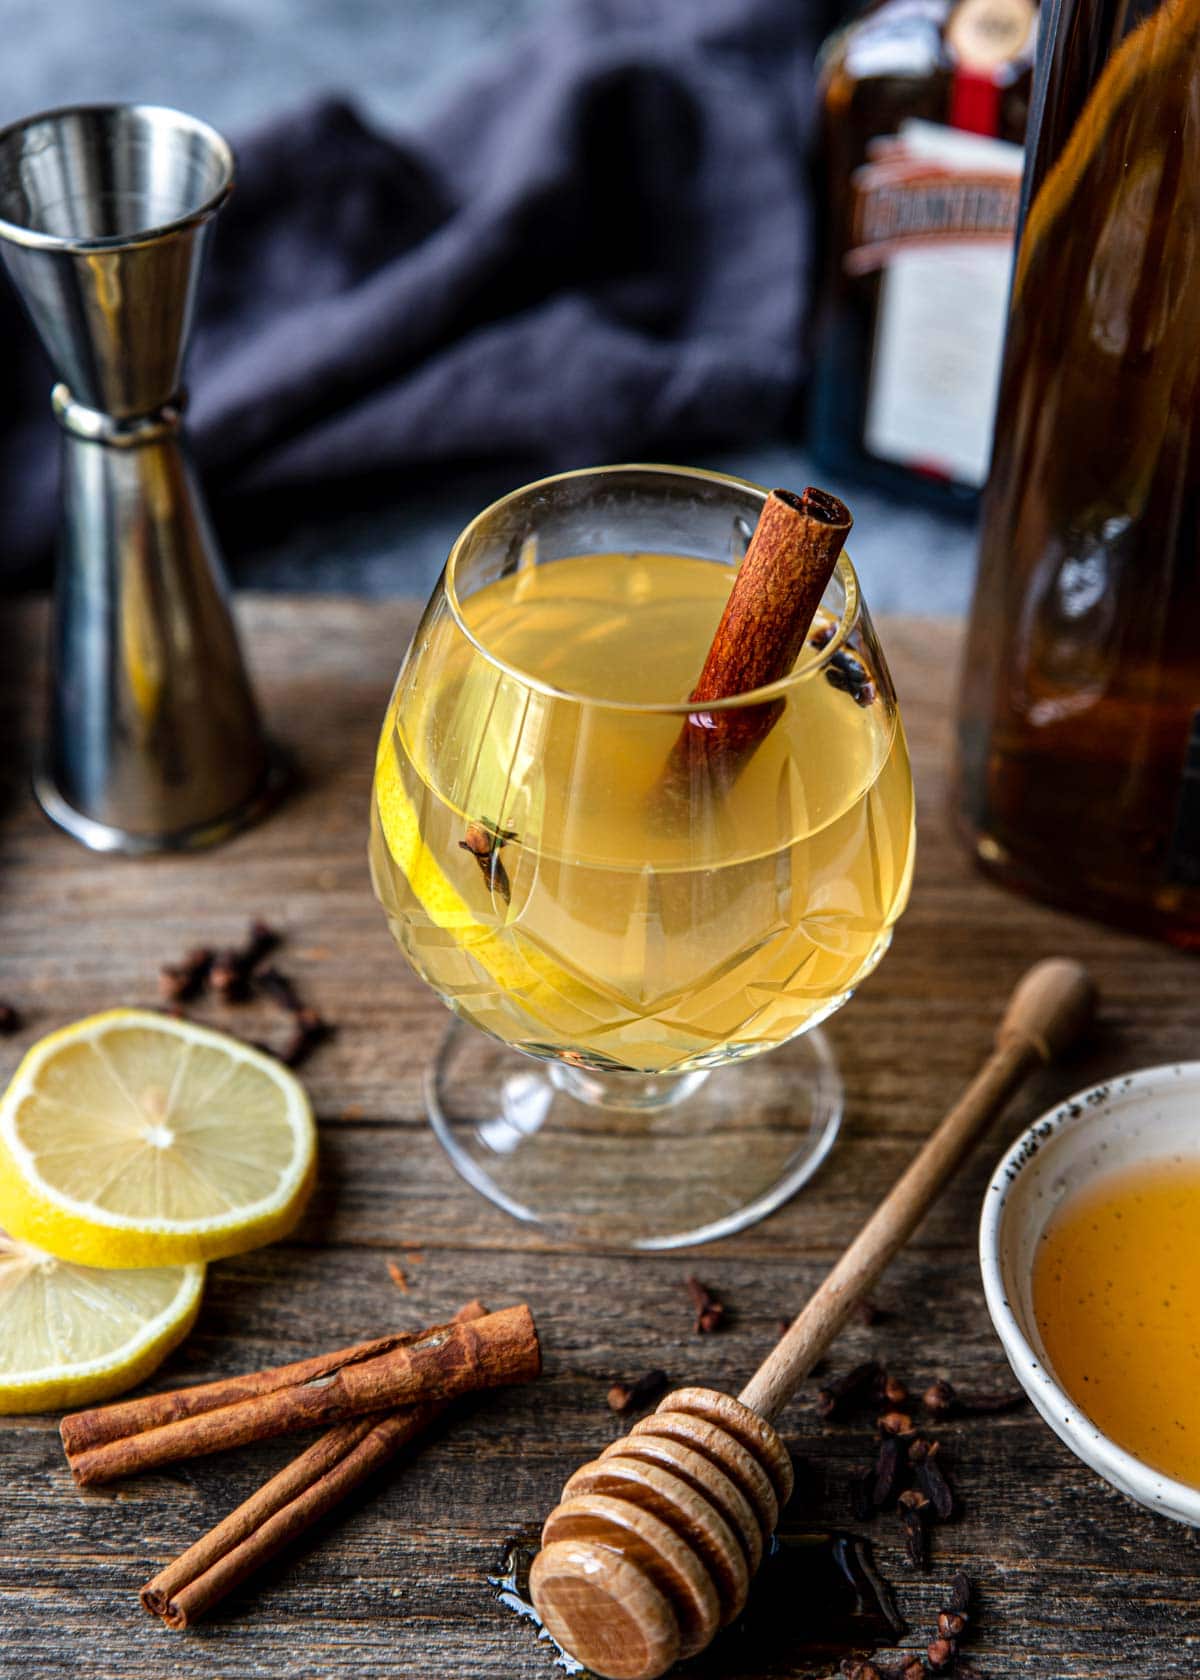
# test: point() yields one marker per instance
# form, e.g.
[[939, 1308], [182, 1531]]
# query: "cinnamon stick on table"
[[771, 607], [81, 1430], [435, 1365], [285, 1507]]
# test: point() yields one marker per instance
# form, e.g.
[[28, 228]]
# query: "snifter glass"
[[629, 946]]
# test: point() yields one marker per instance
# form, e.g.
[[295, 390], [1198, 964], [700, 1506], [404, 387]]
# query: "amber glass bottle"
[[1080, 715], [922, 113]]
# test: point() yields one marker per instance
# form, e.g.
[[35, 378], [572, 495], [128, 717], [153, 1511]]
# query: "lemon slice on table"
[[132, 1139], [73, 1334]]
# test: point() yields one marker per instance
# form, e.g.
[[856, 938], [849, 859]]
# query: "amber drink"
[[545, 879]]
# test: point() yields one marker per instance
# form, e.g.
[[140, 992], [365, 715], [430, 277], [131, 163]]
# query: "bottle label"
[[935, 211], [1183, 860]]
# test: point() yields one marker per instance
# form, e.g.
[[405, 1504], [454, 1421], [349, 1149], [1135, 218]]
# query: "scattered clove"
[[234, 975], [308, 1030], [915, 1511], [10, 1019], [941, 1653], [180, 982], [308, 1027], [485, 841], [280, 988], [910, 1668], [894, 1390], [943, 1400], [889, 1468], [894, 1423], [230, 971], [710, 1312], [840, 1394], [631, 1397], [923, 1456]]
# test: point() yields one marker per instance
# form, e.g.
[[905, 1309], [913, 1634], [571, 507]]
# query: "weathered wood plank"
[[1074, 1579]]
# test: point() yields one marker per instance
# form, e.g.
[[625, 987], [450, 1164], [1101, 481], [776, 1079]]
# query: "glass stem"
[[625, 1090]]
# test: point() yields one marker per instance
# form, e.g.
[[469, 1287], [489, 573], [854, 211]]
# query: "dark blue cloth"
[[597, 251]]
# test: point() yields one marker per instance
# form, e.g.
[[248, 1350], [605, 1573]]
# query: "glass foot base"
[[622, 1161]]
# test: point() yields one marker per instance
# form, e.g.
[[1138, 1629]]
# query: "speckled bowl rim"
[[1129, 1475]]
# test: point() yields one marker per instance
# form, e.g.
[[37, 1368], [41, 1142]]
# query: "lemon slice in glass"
[[132, 1139], [518, 965], [73, 1334]]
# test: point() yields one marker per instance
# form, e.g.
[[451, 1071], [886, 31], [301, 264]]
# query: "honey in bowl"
[[1116, 1294]]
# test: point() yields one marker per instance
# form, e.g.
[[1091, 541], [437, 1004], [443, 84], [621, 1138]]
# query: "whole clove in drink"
[[485, 841], [850, 675]]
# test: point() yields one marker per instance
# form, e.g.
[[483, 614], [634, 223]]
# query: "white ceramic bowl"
[[1137, 1118]]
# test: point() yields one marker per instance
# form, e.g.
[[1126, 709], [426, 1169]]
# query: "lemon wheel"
[[72, 1334], [131, 1140]]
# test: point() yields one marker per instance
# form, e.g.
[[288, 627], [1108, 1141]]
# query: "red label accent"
[[975, 103]]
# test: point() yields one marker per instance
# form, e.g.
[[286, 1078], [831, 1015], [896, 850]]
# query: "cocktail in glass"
[[629, 949]]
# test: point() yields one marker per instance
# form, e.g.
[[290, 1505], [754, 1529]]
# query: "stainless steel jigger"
[[154, 738]]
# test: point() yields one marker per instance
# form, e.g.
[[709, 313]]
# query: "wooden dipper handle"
[[1049, 1009]]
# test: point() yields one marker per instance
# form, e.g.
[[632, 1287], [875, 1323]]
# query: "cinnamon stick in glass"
[[291, 1502], [770, 610], [436, 1365]]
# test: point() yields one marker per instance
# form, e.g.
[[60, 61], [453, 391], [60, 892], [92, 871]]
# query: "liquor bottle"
[[1079, 731], [923, 108]]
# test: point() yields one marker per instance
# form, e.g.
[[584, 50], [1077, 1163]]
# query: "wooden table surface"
[[1073, 1579]]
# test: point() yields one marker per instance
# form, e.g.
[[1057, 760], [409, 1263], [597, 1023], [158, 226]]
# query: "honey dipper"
[[653, 1544]]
